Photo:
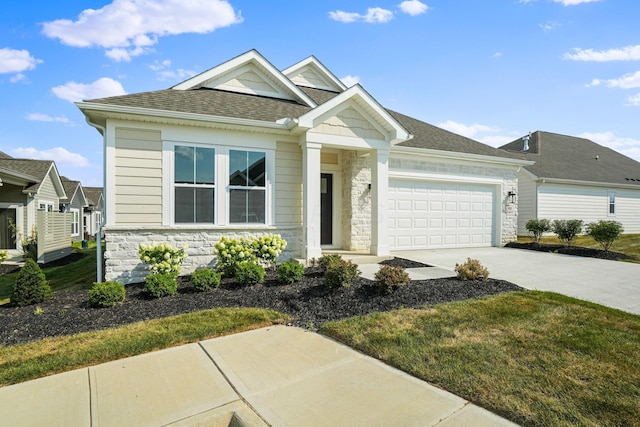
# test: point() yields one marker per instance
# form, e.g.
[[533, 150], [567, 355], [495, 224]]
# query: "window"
[[75, 222], [45, 206], [247, 187], [612, 203], [194, 184], [98, 220]]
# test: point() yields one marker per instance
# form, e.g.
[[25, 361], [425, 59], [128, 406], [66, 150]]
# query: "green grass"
[[628, 244], [77, 275], [54, 355], [535, 358]]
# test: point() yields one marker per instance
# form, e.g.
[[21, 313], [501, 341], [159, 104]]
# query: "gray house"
[[74, 203], [93, 212], [575, 178]]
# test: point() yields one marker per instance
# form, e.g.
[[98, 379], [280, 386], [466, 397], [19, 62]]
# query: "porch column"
[[379, 203], [311, 199]]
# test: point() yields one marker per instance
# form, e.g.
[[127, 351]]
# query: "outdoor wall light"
[[512, 196], [369, 187]]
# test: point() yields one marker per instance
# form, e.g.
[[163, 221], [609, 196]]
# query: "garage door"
[[426, 215]]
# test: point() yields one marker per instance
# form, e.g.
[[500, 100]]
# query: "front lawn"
[[535, 358]]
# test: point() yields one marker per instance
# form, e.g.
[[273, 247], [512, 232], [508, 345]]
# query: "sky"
[[490, 70]]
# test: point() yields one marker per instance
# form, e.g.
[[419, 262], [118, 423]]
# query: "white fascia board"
[[164, 116], [313, 61], [413, 151], [248, 57], [355, 92], [57, 182], [587, 183]]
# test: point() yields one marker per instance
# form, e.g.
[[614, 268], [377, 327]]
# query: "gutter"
[[587, 183], [103, 132]]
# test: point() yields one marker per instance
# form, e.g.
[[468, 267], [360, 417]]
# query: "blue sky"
[[491, 70]]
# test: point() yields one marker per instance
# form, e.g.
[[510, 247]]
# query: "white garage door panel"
[[425, 214]]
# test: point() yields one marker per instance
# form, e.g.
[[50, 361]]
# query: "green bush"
[[161, 284], [250, 274], [341, 273], [326, 260], [31, 285], [162, 257], [262, 250], [537, 228], [567, 230], [290, 272], [605, 232], [390, 278], [471, 270], [106, 294], [205, 279]]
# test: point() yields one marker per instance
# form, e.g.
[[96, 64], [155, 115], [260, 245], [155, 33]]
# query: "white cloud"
[[374, 15], [628, 53], [630, 147], [164, 72], [574, 2], [101, 88], [60, 155], [628, 81], [18, 78], [497, 55], [413, 7], [634, 100], [16, 61], [550, 25], [129, 28], [350, 80], [41, 117], [466, 130]]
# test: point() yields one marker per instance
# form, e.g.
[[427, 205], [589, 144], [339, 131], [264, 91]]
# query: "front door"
[[326, 209], [7, 231]]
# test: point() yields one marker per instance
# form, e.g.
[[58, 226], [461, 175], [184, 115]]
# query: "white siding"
[[138, 177], [288, 184], [527, 201], [628, 210], [349, 123]]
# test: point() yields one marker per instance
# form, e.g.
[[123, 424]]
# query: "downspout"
[[103, 132]]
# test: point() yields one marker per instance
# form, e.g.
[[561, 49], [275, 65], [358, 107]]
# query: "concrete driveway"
[[611, 283]]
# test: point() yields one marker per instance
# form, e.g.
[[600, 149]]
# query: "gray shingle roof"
[[70, 188], [92, 194], [568, 157], [237, 105], [37, 169]]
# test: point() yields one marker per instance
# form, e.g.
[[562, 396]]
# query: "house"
[[30, 197], [244, 148], [575, 178], [74, 203], [93, 211]]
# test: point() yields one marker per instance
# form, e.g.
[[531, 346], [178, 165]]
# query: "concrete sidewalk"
[[610, 283], [279, 376]]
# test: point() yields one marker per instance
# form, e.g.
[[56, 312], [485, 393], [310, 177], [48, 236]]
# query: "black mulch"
[[309, 304], [571, 250], [404, 263]]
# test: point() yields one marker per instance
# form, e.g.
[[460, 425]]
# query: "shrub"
[[162, 257], [341, 273], [471, 270], [290, 272], [567, 230], [326, 260], [268, 248], [249, 274], [537, 227], [161, 284], [605, 232], [205, 279], [263, 250], [106, 294], [390, 278], [31, 285]]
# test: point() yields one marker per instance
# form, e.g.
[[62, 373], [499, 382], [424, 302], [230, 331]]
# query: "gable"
[[350, 122], [249, 79], [311, 73]]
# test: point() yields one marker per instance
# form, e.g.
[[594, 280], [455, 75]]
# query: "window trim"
[[214, 186], [48, 205], [611, 203], [75, 221], [230, 187]]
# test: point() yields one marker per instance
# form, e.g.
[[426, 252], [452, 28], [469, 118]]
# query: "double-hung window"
[[194, 185], [75, 222], [612, 203], [247, 187]]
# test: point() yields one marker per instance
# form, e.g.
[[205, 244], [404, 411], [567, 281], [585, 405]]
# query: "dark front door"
[[326, 209], [7, 233]]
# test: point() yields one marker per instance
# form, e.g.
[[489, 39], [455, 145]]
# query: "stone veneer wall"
[[509, 211], [122, 243], [356, 219]]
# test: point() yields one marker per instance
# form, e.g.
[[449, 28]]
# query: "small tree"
[[605, 232], [31, 285], [567, 230], [537, 227]]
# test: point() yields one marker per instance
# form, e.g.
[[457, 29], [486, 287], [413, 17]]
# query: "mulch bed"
[[309, 303], [571, 250]]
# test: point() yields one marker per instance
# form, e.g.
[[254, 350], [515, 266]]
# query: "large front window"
[[194, 183], [247, 187]]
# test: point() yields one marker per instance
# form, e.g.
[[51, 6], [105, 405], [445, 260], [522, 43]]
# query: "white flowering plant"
[[3, 256], [262, 250], [163, 258]]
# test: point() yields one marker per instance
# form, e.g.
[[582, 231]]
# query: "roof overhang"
[[9, 176], [586, 183], [505, 161]]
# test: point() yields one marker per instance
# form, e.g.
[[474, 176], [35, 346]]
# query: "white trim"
[[109, 174], [615, 205], [587, 183], [47, 204], [428, 152], [313, 63], [336, 204], [417, 176], [75, 220], [19, 208]]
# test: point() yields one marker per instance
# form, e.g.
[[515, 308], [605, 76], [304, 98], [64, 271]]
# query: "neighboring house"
[[30, 197], [74, 203], [575, 178], [93, 212], [244, 148]]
